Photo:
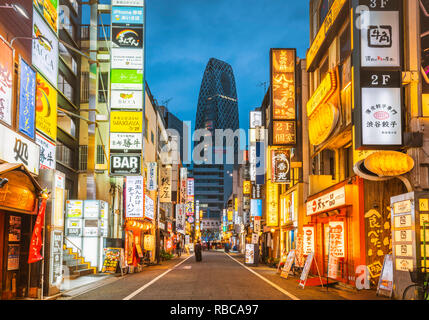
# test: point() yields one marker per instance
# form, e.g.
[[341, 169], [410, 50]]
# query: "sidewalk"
[[338, 292], [73, 287]]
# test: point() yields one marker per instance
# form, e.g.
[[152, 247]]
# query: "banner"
[[6, 82], [27, 98], [149, 207], [46, 108], [36, 239]]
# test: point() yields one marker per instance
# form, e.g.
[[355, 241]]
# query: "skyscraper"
[[217, 109]]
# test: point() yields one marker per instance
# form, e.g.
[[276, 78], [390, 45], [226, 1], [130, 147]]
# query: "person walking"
[[198, 255], [179, 249]]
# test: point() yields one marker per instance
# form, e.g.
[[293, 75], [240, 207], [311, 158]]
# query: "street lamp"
[[18, 8], [39, 37]]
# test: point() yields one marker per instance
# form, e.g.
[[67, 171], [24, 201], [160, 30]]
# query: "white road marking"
[[154, 280], [290, 295]]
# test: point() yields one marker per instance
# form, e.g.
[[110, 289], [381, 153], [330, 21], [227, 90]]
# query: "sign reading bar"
[[125, 164]]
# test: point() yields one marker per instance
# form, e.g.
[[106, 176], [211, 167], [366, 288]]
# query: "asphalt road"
[[217, 277]]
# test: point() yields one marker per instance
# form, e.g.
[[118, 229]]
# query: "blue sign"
[[256, 207], [27, 99], [127, 15]]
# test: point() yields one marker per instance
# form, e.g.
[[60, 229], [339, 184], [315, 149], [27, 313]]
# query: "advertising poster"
[[272, 205], [6, 83], [112, 259], [27, 98], [308, 240], [124, 79], [125, 142], [13, 257], [149, 207], [124, 99], [300, 260], [45, 50], [127, 15], [256, 207], [288, 264], [91, 208], [386, 278], [149, 242], [134, 200], [49, 9], [14, 229], [47, 152], [250, 258], [306, 269], [56, 260], [337, 238], [74, 208], [127, 38], [46, 108], [126, 122]]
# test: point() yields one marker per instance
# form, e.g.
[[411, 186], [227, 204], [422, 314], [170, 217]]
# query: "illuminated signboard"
[[272, 204], [280, 166], [323, 92], [126, 122], [283, 96]]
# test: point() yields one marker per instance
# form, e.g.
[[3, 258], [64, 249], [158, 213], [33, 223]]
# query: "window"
[[100, 154], [83, 158], [146, 127], [323, 11], [65, 87], [324, 68], [345, 44], [64, 154], [349, 162], [66, 23], [84, 87], [152, 137], [103, 87]]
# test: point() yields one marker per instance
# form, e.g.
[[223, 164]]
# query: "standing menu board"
[[288, 264], [385, 283], [111, 260]]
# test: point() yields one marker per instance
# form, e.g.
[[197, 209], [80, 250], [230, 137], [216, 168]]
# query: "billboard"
[[46, 108], [27, 99], [134, 192], [6, 83]]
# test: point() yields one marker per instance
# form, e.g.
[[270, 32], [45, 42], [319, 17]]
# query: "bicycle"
[[419, 290]]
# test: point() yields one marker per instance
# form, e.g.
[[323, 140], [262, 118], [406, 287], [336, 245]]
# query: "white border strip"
[[290, 295], [129, 297]]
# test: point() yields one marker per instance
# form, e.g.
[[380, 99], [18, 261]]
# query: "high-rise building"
[[217, 109]]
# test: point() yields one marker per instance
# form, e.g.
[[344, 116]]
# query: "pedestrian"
[[179, 249], [198, 256], [208, 246]]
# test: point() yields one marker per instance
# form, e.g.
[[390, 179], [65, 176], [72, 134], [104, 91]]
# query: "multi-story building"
[[217, 109]]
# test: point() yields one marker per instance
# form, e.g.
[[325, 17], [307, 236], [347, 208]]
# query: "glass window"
[[65, 87], [66, 23], [345, 43], [323, 11]]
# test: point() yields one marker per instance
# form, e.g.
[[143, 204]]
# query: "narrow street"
[[219, 276]]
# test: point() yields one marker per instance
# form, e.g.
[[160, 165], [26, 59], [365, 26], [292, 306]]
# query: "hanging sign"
[[272, 205], [125, 164], [6, 82], [47, 152], [165, 184], [36, 239], [255, 119], [152, 181], [284, 133], [127, 58], [125, 142], [149, 207], [27, 98], [127, 16], [329, 201], [19, 149], [45, 49], [126, 122], [308, 233], [126, 79], [127, 38], [126, 99], [280, 166], [134, 197], [46, 108], [180, 219]]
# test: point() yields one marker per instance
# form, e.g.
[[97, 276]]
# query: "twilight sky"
[[182, 35]]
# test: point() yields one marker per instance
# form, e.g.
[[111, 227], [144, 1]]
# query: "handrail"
[[79, 250]]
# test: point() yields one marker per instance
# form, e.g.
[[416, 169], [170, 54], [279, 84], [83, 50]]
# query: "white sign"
[[190, 187], [47, 152], [45, 50], [18, 149], [255, 119], [308, 240], [127, 58], [255, 238], [126, 141], [380, 40], [129, 3], [91, 209], [252, 161], [123, 99], [381, 116], [148, 207], [180, 218], [327, 202], [134, 197], [152, 180], [250, 259]]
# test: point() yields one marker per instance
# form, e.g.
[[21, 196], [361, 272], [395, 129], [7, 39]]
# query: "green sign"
[[122, 79]]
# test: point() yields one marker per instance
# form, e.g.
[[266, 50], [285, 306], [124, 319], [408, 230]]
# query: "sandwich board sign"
[[306, 270], [288, 264]]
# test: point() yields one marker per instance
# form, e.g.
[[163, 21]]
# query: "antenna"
[[263, 84], [166, 102]]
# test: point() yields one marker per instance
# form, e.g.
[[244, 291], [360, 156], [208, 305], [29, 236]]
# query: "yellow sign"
[[389, 163], [230, 215], [149, 242], [322, 122], [323, 92], [272, 204], [330, 19], [129, 122], [46, 108], [424, 204], [236, 204], [247, 187]]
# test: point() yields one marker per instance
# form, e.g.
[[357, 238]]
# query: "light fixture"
[[39, 37], [18, 8], [3, 182]]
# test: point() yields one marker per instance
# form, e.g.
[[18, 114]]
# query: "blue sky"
[[182, 35]]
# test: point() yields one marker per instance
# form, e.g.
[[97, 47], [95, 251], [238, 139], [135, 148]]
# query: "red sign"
[[169, 227], [36, 238]]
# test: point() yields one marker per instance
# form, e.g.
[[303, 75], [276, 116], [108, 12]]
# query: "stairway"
[[77, 265]]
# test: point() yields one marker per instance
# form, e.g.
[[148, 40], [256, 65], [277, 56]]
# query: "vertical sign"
[[308, 239], [46, 108], [134, 197], [152, 180], [272, 204], [27, 98], [6, 81], [283, 96], [165, 184], [280, 166]]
